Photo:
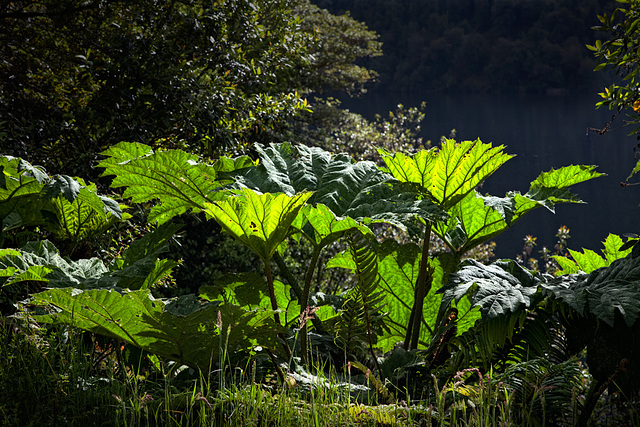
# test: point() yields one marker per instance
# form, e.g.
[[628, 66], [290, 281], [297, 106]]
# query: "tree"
[[209, 76], [621, 52]]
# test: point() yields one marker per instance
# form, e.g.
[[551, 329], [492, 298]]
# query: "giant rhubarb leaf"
[[260, 221], [42, 262], [84, 215], [588, 260], [475, 219], [359, 190], [398, 267], [501, 288], [448, 173], [20, 187], [64, 205], [604, 292], [184, 330], [137, 268], [177, 180], [504, 288], [323, 227]]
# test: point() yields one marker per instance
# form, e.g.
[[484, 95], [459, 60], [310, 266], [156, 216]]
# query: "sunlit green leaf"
[[325, 227], [635, 170], [448, 173], [177, 180], [64, 205], [244, 289], [260, 221], [588, 260], [398, 269], [476, 219]]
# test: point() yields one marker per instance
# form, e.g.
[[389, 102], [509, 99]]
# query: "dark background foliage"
[[481, 46]]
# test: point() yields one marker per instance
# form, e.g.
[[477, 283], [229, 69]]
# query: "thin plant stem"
[[274, 305], [423, 285], [304, 302]]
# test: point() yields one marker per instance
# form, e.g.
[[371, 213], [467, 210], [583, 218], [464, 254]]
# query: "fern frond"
[[545, 391], [361, 321]]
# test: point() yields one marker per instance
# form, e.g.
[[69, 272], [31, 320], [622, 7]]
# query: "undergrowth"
[[60, 376]]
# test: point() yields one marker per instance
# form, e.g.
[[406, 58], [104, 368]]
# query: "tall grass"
[[56, 376]]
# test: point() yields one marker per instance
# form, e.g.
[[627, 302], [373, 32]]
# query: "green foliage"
[[398, 267], [359, 190], [225, 74], [468, 228], [588, 260], [67, 207], [524, 313], [543, 390], [138, 267], [605, 293], [450, 173], [260, 222], [183, 329], [337, 43], [296, 194], [501, 288], [41, 261], [361, 320], [325, 227], [177, 179], [449, 176]]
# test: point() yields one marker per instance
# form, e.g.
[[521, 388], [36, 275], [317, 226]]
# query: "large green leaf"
[[244, 289], [64, 205], [359, 190], [138, 267], [177, 180], [448, 173], [398, 270], [41, 261], [260, 221], [84, 215], [21, 185], [504, 288], [249, 290], [472, 222], [184, 330], [604, 292], [500, 288], [475, 219], [151, 245], [323, 227]]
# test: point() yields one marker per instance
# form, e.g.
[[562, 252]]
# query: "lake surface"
[[543, 132]]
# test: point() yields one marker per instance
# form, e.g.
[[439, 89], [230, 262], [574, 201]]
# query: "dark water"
[[543, 132]]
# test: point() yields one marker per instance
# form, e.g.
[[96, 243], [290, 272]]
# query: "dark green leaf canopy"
[[359, 190]]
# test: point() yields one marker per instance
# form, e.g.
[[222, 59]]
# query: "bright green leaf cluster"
[[260, 221], [66, 206], [588, 260]]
